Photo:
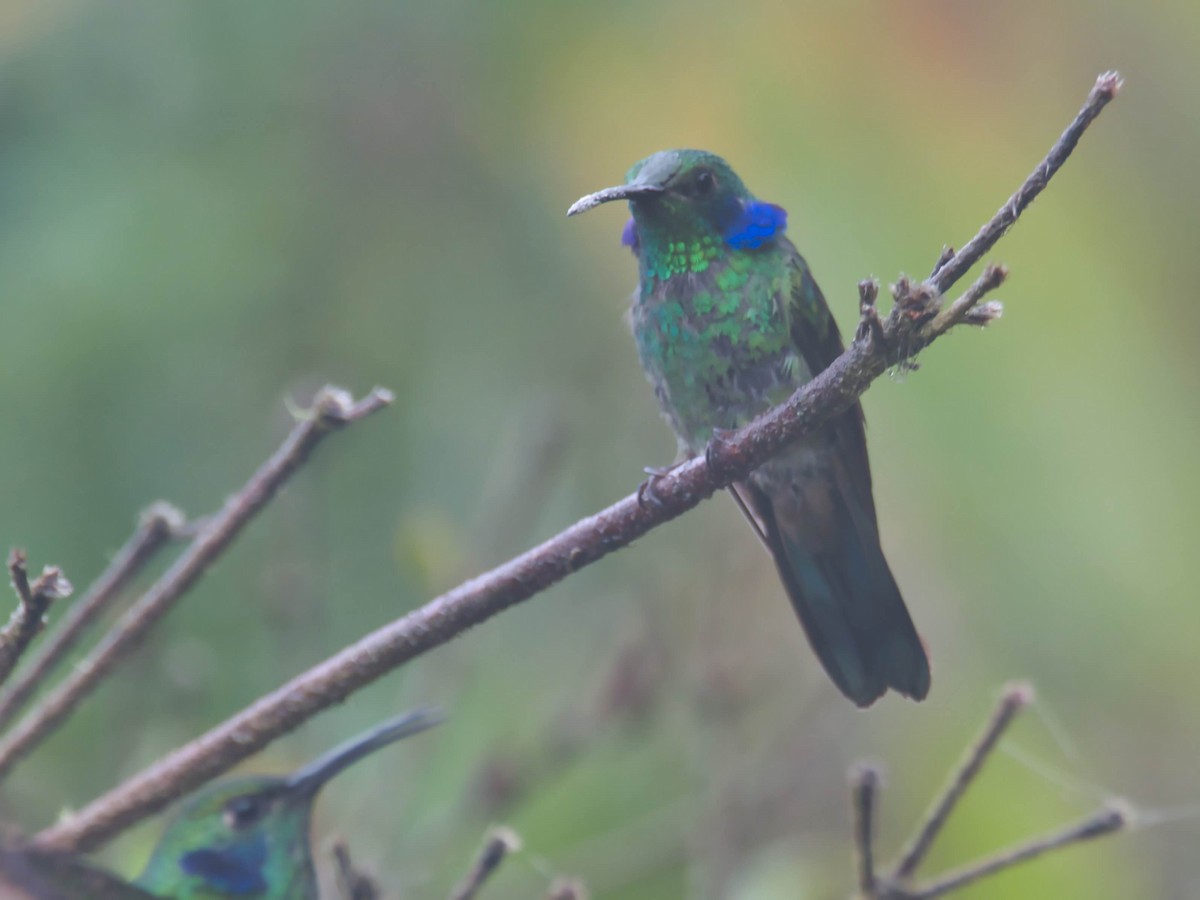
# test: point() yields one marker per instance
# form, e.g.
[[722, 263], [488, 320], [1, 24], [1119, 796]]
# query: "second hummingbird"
[[249, 837]]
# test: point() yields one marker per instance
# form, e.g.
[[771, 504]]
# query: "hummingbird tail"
[[842, 590]]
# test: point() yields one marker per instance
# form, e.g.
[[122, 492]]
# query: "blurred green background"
[[207, 208]]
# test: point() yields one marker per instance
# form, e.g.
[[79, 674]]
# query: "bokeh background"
[[210, 208]]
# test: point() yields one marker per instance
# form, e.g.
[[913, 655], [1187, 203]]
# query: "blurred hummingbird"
[[249, 837], [728, 322]]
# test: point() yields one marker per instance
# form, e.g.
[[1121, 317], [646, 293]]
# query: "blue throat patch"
[[759, 223], [629, 235], [234, 870]]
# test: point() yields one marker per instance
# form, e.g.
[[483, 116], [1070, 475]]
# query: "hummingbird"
[[728, 322], [249, 838]]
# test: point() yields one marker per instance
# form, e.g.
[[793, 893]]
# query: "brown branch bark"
[[907, 329], [332, 410], [158, 525], [30, 615]]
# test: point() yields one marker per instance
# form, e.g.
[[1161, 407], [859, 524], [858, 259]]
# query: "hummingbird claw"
[[716, 444], [645, 491]]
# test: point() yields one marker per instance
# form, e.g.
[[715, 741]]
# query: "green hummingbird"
[[728, 322], [249, 838]]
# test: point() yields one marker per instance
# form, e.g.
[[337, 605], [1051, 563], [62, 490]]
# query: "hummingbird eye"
[[242, 812], [704, 183]]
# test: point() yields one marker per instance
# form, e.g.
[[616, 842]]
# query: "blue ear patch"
[[236, 870], [759, 223], [629, 235]]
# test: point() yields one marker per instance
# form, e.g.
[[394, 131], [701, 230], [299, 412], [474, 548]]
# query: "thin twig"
[[1106, 88], [897, 884], [332, 410], [500, 842], [864, 793], [157, 525], [984, 314], [30, 615], [1012, 701], [679, 490], [993, 276], [1106, 821]]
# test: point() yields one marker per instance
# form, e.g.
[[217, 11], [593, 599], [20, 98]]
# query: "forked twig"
[[158, 524], [897, 884], [992, 277], [34, 598], [332, 410]]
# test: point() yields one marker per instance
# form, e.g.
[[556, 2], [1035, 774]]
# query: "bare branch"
[[30, 615], [1106, 88], [993, 276], [1015, 698], [897, 883], [731, 458], [158, 524], [499, 843], [1106, 821], [332, 410], [864, 791]]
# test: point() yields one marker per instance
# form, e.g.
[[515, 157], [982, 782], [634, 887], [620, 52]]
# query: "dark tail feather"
[[848, 603]]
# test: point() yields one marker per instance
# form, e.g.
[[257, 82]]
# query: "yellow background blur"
[[209, 207]]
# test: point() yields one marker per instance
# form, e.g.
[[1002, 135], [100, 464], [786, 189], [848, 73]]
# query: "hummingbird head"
[[249, 837], [689, 196]]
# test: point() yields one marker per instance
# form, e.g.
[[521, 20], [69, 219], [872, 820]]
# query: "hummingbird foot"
[[645, 491], [714, 450]]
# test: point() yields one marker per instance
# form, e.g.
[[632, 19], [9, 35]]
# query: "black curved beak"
[[305, 782]]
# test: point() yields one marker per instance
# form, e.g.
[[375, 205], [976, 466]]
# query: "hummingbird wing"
[[814, 506]]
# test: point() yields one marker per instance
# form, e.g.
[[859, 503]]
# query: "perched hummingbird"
[[729, 322], [249, 837]]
